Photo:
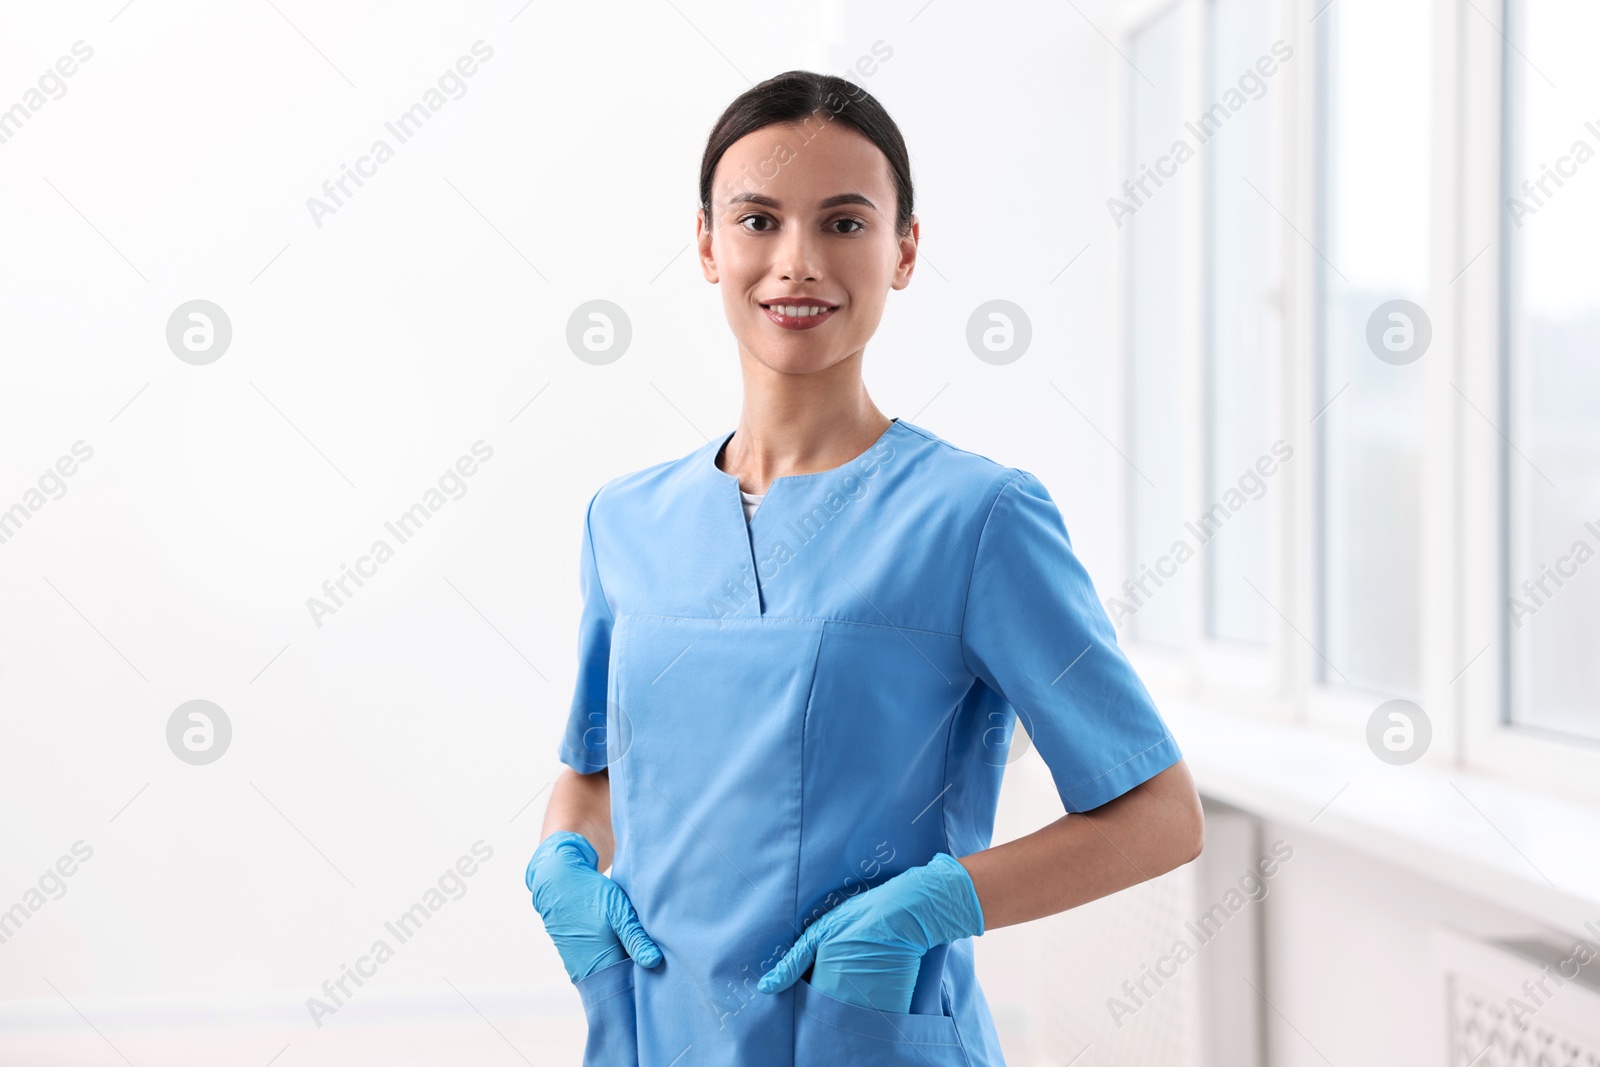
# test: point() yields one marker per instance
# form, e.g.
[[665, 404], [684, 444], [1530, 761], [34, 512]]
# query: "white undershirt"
[[751, 502]]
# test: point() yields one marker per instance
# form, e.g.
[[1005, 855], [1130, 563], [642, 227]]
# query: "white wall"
[[426, 314], [1347, 957]]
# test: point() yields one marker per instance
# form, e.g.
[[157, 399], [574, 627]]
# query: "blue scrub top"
[[796, 709]]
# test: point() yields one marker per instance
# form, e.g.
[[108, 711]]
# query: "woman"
[[804, 647]]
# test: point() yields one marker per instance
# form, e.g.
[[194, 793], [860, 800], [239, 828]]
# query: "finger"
[[625, 922], [794, 962], [640, 946]]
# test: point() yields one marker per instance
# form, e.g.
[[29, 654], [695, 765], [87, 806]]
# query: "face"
[[803, 215]]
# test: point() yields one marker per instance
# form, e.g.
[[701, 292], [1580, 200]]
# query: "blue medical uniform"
[[795, 710]]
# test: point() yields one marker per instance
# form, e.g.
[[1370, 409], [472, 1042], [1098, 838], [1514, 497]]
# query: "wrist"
[[572, 841], [568, 841], [961, 911]]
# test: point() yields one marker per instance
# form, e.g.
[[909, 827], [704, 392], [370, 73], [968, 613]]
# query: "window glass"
[[1373, 265], [1155, 344], [1551, 223], [1239, 227]]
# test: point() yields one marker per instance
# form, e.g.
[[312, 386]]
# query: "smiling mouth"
[[800, 309], [798, 316]]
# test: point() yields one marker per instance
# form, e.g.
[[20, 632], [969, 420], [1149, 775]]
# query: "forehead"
[[798, 165]]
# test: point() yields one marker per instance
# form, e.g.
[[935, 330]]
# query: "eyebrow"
[[822, 205]]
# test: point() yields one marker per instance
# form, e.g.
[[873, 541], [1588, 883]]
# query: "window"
[[1551, 295], [1374, 172], [1240, 317], [1154, 367], [1412, 172]]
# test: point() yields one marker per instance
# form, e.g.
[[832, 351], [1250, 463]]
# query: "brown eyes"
[[767, 218]]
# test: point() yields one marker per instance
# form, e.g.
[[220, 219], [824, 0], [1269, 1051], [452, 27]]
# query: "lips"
[[816, 318]]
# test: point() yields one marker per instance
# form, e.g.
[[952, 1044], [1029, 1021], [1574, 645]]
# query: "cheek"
[[738, 259], [872, 269]]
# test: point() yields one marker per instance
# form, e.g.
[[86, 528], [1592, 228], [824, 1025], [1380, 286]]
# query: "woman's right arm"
[[581, 803], [586, 914]]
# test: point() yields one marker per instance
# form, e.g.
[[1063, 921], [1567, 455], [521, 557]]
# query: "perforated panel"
[[1485, 1034], [1508, 1006]]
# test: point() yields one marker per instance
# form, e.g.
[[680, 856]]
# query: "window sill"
[[1529, 852]]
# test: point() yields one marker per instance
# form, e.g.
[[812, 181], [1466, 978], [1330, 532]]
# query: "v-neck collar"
[[711, 462], [752, 531]]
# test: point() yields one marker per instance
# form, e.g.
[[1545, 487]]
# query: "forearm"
[[1147, 831], [581, 803]]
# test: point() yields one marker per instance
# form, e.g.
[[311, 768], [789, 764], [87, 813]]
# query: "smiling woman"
[[823, 691], [833, 174]]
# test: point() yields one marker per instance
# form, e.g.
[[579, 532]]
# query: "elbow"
[[1185, 827], [1186, 814], [1197, 842], [1193, 835]]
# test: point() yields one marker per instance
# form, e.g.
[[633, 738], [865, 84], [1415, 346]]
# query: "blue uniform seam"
[[880, 1037], [944, 791], [575, 759], [936, 439], [805, 719], [797, 618], [972, 570], [588, 532], [961, 1042], [566, 753], [1086, 783]]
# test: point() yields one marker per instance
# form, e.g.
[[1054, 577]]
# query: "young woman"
[[804, 649]]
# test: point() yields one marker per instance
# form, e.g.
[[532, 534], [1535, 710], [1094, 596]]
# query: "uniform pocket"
[[608, 1005], [829, 1031]]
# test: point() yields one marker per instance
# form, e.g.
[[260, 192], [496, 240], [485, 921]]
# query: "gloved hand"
[[868, 949], [587, 915]]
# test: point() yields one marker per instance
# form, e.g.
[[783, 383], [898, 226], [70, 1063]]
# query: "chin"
[[797, 357]]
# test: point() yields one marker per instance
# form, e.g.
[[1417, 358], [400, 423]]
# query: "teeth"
[[797, 311]]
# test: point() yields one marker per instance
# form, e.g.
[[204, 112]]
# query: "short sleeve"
[[1035, 633], [583, 745]]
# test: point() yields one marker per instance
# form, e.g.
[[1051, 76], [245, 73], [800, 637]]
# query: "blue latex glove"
[[587, 915], [868, 949]]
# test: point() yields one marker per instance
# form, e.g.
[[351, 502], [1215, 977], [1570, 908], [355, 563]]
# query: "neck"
[[798, 441]]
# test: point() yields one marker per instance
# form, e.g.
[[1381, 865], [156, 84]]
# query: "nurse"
[[805, 647]]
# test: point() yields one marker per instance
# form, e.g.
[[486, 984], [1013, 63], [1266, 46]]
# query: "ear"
[[702, 239], [908, 256]]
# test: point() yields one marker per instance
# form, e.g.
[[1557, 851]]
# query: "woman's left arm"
[[1147, 831], [866, 949]]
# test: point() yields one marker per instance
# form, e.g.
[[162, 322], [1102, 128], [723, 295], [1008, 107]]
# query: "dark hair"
[[795, 97]]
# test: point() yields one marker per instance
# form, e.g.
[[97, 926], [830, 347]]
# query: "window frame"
[[1466, 512], [1140, 17], [1250, 673], [1564, 764], [1253, 680]]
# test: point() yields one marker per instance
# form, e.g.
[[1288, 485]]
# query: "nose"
[[797, 256]]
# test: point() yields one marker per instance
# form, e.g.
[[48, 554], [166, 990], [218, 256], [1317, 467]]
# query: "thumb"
[[625, 923], [788, 970]]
